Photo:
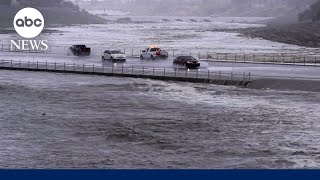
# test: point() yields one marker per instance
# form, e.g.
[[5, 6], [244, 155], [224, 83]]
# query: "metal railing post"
[[273, 59], [244, 77]]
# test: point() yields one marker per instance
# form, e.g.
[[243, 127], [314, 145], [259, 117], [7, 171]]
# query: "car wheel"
[[141, 56], [152, 57], [111, 59], [102, 58]]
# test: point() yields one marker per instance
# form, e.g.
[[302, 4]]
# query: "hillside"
[[56, 12], [303, 33], [311, 14]]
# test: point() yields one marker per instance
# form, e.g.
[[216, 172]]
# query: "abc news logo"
[[29, 23]]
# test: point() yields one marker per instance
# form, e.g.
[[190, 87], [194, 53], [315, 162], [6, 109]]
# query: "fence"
[[195, 75], [273, 58]]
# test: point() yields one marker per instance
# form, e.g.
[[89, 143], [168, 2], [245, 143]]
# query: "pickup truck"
[[80, 50], [153, 53]]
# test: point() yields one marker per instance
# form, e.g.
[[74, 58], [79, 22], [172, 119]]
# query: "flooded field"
[[73, 121]]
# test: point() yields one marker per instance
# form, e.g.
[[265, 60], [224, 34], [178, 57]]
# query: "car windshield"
[[189, 58], [116, 52], [155, 49]]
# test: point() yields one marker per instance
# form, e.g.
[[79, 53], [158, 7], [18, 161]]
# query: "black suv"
[[80, 50], [188, 61]]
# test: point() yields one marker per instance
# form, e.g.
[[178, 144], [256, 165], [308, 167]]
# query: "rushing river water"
[[74, 121]]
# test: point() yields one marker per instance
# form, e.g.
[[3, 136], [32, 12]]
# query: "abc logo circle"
[[28, 22]]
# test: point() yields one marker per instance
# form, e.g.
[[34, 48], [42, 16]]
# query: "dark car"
[[188, 61], [80, 50]]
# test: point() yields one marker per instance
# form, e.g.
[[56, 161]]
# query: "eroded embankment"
[[286, 84]]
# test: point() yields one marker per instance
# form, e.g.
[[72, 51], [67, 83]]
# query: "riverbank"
[[286, 85], [302, 34]]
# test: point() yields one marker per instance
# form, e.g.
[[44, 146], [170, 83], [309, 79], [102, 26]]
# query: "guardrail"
[[189, 75], [270, 58]]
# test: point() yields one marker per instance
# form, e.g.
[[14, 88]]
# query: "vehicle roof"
[[186, 56], [112, 50]]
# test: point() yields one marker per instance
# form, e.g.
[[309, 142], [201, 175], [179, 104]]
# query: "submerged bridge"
[[169, 74]]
